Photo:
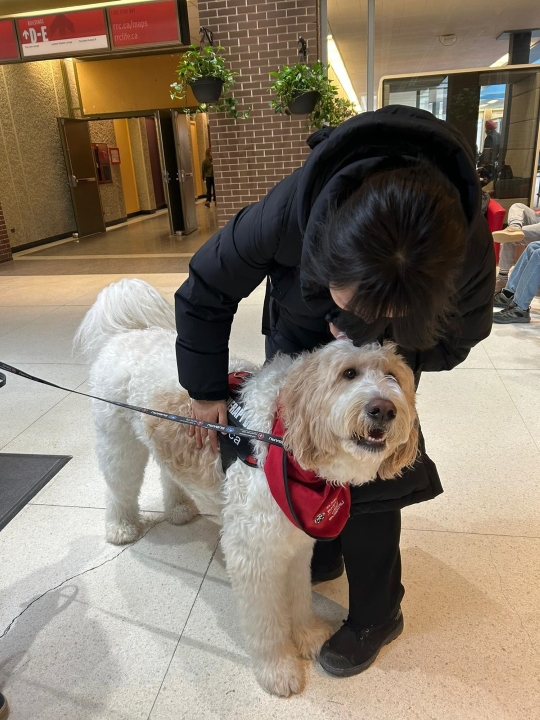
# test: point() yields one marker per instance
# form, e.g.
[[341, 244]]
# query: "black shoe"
[[352, 650], [324, 573], [503, 299], [4, 710], [512, 314]]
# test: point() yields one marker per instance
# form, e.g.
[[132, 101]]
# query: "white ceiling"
[[406, 34]]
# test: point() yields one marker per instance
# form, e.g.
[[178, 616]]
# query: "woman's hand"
[[213, 411]]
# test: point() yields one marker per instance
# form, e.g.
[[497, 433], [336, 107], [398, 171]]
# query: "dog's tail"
[[122, 306]]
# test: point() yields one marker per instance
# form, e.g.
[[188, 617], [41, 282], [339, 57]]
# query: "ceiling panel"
[[407, 31]]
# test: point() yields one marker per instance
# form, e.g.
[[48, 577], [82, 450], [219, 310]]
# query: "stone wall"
[[141, 163], [111, 194], [34, 189]]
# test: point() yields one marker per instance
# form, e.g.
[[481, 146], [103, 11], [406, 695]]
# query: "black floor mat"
[[21, 477]]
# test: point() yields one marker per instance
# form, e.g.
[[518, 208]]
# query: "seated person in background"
[[523, 228], [521, 288]]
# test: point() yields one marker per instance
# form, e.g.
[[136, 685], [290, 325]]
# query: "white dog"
[[348, 413]]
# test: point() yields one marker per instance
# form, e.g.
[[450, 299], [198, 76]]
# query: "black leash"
[[242, 432]]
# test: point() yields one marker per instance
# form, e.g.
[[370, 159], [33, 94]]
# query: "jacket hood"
[[345, 155]]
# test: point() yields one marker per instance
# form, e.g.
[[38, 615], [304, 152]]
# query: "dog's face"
[[350, 412]]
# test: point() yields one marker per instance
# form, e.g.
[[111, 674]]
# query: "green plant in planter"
[[295, 80], [200, 64], [333, 111]]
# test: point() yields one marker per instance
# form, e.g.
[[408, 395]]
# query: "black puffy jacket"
[[267, 240]]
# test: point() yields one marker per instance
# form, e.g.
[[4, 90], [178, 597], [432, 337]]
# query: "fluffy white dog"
[[349, 414]]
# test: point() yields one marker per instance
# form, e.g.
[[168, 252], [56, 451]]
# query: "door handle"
[[74, 180], [188, 175]]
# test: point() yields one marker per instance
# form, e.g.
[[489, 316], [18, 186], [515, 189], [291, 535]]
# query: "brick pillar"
[[5, 247], [251, 156]]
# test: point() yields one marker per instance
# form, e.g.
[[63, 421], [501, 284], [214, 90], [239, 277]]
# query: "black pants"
[[210, 189], [370, 546]]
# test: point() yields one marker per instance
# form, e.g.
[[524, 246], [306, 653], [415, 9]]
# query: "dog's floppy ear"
[[403, 456], [303, 403]]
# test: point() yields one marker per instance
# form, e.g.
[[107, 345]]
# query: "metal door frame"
[[182, 175], [164, 171]]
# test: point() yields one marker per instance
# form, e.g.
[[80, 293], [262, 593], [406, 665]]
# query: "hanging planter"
[[302, 89], [207, 90], [298, 88], [303, 103], [203, 69]]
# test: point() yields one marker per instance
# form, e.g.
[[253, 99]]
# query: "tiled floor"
[[142, 245], [90, 631]]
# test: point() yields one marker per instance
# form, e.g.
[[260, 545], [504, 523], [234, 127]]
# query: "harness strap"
[[233, 446]]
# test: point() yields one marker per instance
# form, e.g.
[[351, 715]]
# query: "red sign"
[[8, 41], [149, 23], [114, 154], [67, 33]]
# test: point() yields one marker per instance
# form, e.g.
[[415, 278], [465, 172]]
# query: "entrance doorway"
[[124, 166], [175, 141]]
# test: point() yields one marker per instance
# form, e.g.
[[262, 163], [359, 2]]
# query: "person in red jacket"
[[381, 236]]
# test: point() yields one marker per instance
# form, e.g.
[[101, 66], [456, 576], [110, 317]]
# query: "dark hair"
[[399, 241]]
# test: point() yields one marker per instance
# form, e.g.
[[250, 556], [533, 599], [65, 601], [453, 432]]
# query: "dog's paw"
[[182, 513], [310, 638], [123, 532], [282, 677]]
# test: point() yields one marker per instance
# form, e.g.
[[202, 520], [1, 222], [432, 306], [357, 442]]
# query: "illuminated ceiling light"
[[75, 8], [336, 63], [501, 61], [448, 40]]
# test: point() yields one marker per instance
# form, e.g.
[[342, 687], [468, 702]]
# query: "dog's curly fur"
[[323, 396]]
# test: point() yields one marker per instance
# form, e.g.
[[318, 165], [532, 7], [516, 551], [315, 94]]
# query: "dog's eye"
[[350, 374], [390, 376]]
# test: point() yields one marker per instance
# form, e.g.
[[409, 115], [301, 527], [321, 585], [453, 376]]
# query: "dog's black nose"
[[381, 409]]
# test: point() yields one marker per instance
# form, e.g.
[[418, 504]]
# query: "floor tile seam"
[[83, 275], [183, 629], [52, 362], [101, 508], [68, 394], [488, 369], [55, 305], [518, 410], [470, 532], [77, 575], [77, 507], [55, 243], [511, 606], [48, 312], [129, 256]]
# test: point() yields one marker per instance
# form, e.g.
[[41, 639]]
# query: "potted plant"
[[298, 88], [332, 110], [204, 70], [304, 90]]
